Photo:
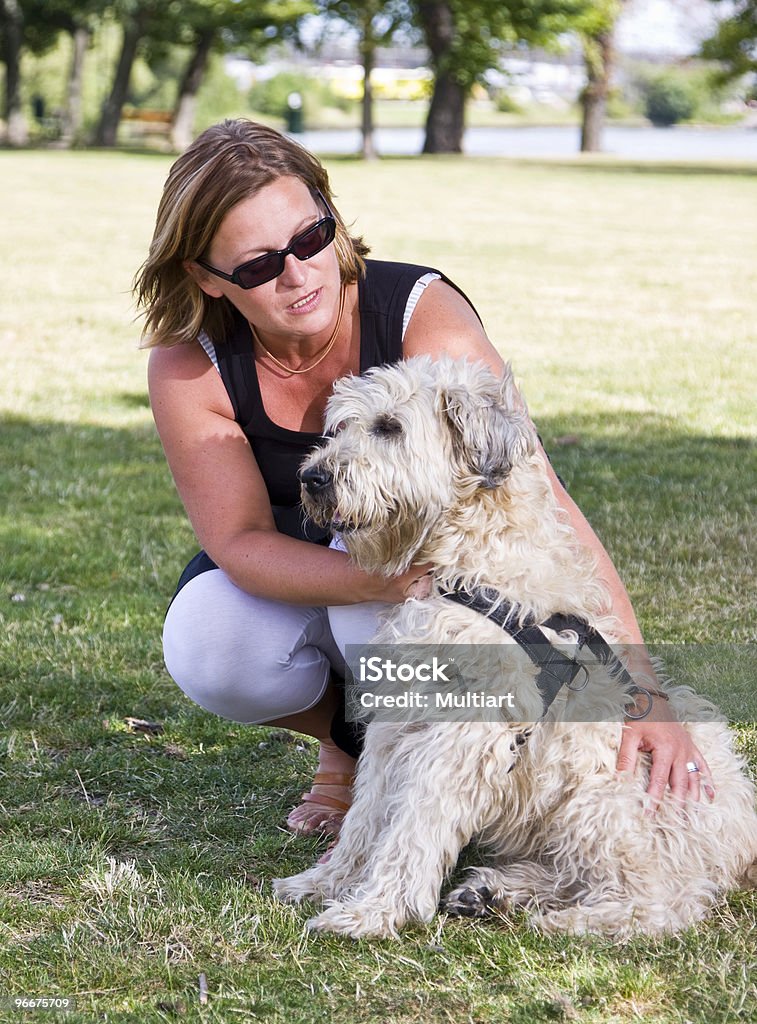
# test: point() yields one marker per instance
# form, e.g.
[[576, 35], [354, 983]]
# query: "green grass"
[[131, 864]]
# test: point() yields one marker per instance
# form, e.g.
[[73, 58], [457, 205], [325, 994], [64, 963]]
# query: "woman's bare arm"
[[226, 500]]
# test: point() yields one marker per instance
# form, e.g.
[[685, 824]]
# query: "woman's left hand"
[[672, 748]]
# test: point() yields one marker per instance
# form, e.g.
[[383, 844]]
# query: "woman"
[[256, 300]]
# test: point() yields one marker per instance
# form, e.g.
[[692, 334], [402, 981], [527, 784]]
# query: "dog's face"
[[408, 445]]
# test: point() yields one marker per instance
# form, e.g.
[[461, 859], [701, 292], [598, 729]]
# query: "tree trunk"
[[72, 116], [598, 57], [445, 122], [182, 125], [110, 117], [11, 23], [368, 56]]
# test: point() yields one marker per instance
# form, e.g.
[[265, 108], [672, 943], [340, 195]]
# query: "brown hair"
[[224, 165]]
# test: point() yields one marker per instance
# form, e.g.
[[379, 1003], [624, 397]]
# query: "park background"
[[145, 72], [138, 835]]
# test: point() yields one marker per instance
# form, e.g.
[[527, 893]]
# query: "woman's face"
[[302, 300]]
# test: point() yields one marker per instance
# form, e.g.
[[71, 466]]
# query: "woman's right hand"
[[415, 582]]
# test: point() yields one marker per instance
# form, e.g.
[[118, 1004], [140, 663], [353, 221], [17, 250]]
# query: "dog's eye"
[[386, 426], [330, 434]]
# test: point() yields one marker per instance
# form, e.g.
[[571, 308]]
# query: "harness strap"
[[555, 668]]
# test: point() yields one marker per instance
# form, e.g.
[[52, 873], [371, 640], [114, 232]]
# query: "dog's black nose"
[[316, 479]]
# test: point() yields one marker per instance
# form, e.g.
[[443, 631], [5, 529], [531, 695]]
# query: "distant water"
[[643, 143]]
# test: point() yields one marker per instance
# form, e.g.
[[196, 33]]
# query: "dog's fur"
[[437, 462]]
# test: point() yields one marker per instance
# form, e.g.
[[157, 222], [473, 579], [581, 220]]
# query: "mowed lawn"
[[132, 863]]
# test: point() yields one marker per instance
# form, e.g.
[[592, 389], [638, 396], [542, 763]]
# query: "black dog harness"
[[555, 668]]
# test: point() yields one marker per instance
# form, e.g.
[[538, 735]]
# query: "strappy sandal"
[[328, 853], [333, 810]]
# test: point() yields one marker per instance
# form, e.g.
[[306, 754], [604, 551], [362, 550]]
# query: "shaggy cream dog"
[[437, 462]]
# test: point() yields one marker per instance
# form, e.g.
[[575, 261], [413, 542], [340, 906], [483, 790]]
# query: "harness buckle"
[[582, 686]]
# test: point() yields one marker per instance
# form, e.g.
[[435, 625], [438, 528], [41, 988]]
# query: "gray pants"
[[252, 659]]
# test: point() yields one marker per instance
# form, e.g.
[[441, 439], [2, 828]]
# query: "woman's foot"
[[330, 796]]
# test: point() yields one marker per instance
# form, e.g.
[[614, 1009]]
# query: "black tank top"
[[382, 299]]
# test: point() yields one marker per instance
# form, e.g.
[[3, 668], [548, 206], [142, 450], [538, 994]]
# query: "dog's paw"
[[471, 901], [297, 888], [356, 921]]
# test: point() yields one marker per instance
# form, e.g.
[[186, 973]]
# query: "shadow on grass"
[[99, 491], [133, 400], [673, 509]]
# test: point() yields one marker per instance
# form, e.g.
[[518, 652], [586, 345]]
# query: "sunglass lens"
[[311, 242], [262, 270]]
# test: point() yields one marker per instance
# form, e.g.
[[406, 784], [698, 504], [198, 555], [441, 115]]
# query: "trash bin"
[[294, 113]]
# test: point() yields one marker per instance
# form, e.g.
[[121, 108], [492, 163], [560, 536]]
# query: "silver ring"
[[692, 766]]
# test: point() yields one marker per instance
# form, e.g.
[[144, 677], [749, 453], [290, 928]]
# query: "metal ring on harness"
[[577, 689], [632, 692]]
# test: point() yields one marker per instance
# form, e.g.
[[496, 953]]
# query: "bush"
[[669, 98], [507, 104], [270, 97], [668, 102], [689, 92]]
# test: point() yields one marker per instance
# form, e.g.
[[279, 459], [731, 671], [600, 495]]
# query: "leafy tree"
[[78, 18], [205, 26], [376, 22], [137, 17], [221, 26], [11, 39], [596, 28], [23, 25], [734, 43], [468, 37]]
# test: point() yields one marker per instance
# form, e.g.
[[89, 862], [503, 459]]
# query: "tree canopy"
[[468, 37], [734, 43]]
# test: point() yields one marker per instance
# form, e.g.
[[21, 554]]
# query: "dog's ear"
[[489, 426]]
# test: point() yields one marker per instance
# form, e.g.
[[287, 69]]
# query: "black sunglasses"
[[264, 268]]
